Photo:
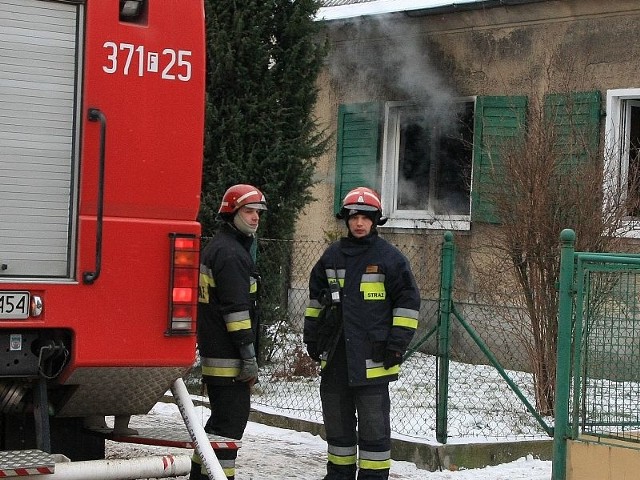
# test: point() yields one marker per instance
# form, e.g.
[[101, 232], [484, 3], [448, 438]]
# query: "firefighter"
[[362, 314], [226, 322]]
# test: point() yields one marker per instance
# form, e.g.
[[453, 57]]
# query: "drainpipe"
[[122, 469]]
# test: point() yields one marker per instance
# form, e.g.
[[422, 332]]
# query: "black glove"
[[391, 358], [248, 371], [312, 351]]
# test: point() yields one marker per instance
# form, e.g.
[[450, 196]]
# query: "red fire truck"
[[101, 134]]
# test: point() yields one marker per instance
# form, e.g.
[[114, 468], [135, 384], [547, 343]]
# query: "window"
[[421, 165], [426, 167], [622, 147]]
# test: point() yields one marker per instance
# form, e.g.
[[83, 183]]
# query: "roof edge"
[[409, 7]]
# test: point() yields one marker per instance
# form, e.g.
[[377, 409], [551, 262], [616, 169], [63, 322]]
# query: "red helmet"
[[242, 195], [363, 200]]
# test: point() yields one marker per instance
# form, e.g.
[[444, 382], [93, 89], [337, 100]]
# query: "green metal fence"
[[449, 312], [466, 374], [598, 372]]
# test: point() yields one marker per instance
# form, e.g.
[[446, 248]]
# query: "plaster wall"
[[552, 46], [592, 461], [529, 49]]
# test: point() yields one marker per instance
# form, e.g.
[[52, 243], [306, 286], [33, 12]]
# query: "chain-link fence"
[[479, 401], [607, 400]]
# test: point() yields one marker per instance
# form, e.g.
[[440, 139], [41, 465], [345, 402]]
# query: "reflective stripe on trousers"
[[357, 417]]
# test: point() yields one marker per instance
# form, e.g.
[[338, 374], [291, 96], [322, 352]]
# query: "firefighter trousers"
[[358, 429], [230, 407]]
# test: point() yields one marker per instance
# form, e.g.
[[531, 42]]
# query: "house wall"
[[572, 45], [588, 461], [529, 49]]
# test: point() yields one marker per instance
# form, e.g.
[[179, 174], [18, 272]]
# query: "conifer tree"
[[264, 57]]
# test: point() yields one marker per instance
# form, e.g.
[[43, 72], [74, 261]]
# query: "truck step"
[[167, 437], [20, 463]]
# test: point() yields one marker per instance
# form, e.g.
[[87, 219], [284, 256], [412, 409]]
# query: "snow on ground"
[[270, 453]]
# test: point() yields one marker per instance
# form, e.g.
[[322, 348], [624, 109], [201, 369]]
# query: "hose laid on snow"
[[147, 467], [120, 469]]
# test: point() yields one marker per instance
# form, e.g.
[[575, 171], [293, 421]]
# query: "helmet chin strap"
[[243, 226]]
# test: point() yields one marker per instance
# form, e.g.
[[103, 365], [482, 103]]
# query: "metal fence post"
[[563, 355], [446, 293]]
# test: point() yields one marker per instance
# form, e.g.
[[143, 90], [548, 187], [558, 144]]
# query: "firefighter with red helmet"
[[227, 320], [362, 314]]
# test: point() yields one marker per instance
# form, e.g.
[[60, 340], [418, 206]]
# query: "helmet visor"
[[360, 207], [257, 206]]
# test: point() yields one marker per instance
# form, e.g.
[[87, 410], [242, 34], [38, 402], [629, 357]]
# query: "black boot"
[[196, 472], [340, 472]]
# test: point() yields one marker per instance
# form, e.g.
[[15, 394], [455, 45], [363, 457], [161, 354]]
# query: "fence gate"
[[597, 421], [447, 312]]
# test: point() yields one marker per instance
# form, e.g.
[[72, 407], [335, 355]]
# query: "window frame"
[[616, 150], [412, 219]]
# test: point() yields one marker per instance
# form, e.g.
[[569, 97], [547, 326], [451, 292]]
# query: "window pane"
[[633, 180], [454, 160], [413, 162], [434, 161]]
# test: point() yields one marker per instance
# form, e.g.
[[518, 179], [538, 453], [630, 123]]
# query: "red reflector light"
[[182, 295], [182, 311], [182, 318], [184, 278], [186, 243], [183, 287]]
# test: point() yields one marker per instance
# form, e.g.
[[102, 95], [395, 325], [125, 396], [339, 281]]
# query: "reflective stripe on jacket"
[[226, 304], [380, 303]]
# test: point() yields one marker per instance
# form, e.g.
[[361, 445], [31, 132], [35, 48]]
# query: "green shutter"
[[496, 120], [576, 120], [358, 146]]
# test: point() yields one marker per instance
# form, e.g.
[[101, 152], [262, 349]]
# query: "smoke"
[[388, 59]]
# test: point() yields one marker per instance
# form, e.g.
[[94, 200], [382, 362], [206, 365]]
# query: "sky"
[[271, 453]]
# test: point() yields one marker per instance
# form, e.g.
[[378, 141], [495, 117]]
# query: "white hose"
[[196, 431], [147, 467], [127, 469]]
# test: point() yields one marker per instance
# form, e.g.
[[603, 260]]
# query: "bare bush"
[[549, 178]]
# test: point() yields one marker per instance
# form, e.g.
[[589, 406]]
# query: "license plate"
[[14, 305]]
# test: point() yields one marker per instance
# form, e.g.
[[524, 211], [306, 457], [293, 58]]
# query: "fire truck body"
[[101, 134]]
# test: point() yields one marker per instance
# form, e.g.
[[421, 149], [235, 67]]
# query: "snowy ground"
[[270, 453]]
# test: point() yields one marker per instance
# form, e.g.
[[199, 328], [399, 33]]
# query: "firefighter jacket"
[[226, 305], [379, 305]]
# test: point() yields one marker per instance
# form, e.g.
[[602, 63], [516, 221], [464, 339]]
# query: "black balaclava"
[[373, 215]]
